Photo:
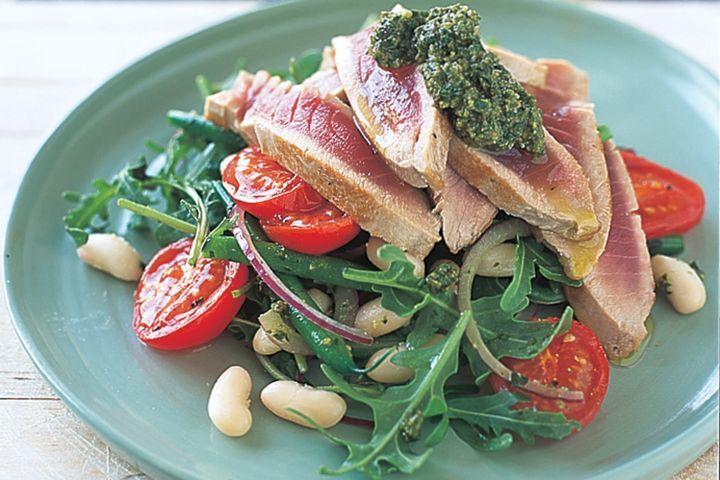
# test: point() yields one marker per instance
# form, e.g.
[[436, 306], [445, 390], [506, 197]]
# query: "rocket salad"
[[295, 214]]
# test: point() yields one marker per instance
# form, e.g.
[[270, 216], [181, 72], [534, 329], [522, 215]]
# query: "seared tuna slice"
[[396, 112], [328, 83], [572, 123], [616, 298], [315, 136], [564, 83], [551, 192], [465, 212], [326, 78], [524, 70]]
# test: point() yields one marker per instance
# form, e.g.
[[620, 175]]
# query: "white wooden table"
[[53, 54]]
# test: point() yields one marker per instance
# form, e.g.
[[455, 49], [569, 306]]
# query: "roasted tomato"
[[670, 204], [575, 360], [315, 233], [179, 306], [264, 188]]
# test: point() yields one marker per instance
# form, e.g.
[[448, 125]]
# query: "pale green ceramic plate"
[[75, 322]]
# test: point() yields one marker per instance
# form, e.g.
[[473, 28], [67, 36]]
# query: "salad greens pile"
[[177, 193]]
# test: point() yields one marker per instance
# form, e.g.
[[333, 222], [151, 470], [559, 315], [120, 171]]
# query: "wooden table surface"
[[52, 55]]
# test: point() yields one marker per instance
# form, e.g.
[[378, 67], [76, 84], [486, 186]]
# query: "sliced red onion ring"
[[243, 238]]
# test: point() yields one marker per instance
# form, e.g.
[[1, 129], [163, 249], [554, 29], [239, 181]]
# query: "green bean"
[[197, 126], [301, 363], [328, 346], [321, 269], [671, 245], [346, 305]]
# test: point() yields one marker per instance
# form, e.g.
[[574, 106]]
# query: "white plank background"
[[54, 54]]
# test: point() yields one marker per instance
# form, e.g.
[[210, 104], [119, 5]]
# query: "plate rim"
[[665, 459]]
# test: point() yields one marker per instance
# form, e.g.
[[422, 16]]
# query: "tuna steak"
[[551, 193], [396, 112], [616, 298], [524, 70], [316, 137], [326, 79], [572, 123], [422, 130], [465, 212]]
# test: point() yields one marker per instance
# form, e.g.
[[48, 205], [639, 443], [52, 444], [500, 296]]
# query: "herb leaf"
[[506, 336], [530, 254], [402, 292], [397, 442], [493, 416], [305, 65], [478, 439], [442, 283], [515, 297]]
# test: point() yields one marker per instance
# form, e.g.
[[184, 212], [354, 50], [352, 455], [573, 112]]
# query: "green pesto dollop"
[[487, 107]]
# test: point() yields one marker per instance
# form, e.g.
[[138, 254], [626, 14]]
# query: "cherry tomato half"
[[575, 360], [178, 306], [670, 204], [263, 187], [315, 233]]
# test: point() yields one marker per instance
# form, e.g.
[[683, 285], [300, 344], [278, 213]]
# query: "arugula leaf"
[[478, 439], [548, 264], [478, 368], [493, 417], [515, 297], [305, 65], [529, 255], [402, 292], [489, 286], [91, 213], [398, 442], [206, 87], [442, 283], [552, 294], [506, 336]]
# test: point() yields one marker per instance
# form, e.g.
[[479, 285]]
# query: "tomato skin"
[[290, 211], [670, 203], [315, 233], [178, 306], [264, 188], [575, 360]]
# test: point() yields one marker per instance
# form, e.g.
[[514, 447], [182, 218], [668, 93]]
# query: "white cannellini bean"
[[322, 299], [323, 407], [498, 261], [376, 320], [387, 371], [371, 250], [263, 345], [111, 254], [682, 284], [229, 402]]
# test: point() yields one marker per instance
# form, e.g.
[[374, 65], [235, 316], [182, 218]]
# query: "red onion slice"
[[245, 242]]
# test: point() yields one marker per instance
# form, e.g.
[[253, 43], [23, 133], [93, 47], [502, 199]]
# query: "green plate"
[[75, 322]]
